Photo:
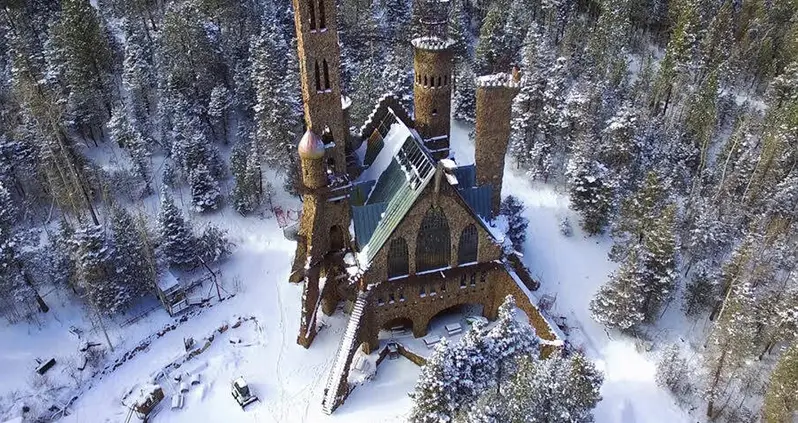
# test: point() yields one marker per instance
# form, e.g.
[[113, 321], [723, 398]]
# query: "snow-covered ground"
[[289, 379]]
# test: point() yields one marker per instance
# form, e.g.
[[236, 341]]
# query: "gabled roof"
[[410, 170], [399, 168]]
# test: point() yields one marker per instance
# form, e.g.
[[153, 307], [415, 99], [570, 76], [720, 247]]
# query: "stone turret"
[[311, 153], [495, 95], [432, 88]]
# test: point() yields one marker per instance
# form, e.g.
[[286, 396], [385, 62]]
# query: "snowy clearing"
[[288, 379]]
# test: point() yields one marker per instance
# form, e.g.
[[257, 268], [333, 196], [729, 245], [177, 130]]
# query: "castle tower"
[[323, 232], [432, 88], [495, 95], [319, 66]]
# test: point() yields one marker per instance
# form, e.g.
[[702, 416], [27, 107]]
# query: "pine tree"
[[124, 134], [659, 260], [218, 108], [95, 269], [591, 193], [86, 55], [205, 194], [512, 209], [177, 242], [130, 258], [494, 53], [432, 402], [138, 76], [781, 399], [465, 92], [619, 303], [511, 340], [276, 112]]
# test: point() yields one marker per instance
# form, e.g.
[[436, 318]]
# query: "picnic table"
[[431, 340], [454, 328]]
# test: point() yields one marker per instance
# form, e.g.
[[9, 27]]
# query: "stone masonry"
[[320, 62], [495, 95], [432, 93]]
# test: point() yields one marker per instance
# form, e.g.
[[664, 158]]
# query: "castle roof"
[[399, 169]]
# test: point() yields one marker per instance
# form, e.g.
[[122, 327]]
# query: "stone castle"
[[391, 227]]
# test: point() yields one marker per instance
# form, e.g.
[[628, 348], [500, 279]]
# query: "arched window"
[[326, 75], [398, 264], [467, 249], [312, 17], [425, 80], [439, 81], [322, 23], [318, 77], [433, 243]]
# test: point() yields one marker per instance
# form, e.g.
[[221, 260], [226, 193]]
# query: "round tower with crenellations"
[[432, 88]]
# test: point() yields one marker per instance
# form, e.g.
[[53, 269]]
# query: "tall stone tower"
[[495, 95], [323, 232], [319, 66], [432, 88]]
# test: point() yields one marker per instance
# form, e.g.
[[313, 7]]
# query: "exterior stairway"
[[337, 385]]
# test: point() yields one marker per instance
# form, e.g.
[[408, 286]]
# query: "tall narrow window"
[[425, 80], [326, 75], [312, 17], [467, 248], [433, 243], [397, 258], [439, 81], [318, 77], [322, 23]]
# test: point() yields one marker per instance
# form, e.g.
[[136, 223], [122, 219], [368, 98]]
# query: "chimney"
[[495, 95]]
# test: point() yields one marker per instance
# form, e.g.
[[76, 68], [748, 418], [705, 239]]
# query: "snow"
[[290, 380], [397, 134]]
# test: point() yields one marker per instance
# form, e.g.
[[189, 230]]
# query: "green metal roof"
[[366, 218]]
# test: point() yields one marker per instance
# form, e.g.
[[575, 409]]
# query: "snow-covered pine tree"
[[555, 390], [205, 194], [494, 52], [277, 115], [84, 51], [619, 303], [213, 244], [464, 99], [96, 269], [536, 62], [511, 339], [177, 241], [512, 208], [659, 260], [126, 135], [218, 108], [432, 402], [591, 192], [475, 364], [131, 260], [781, 399], [138, 74]]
